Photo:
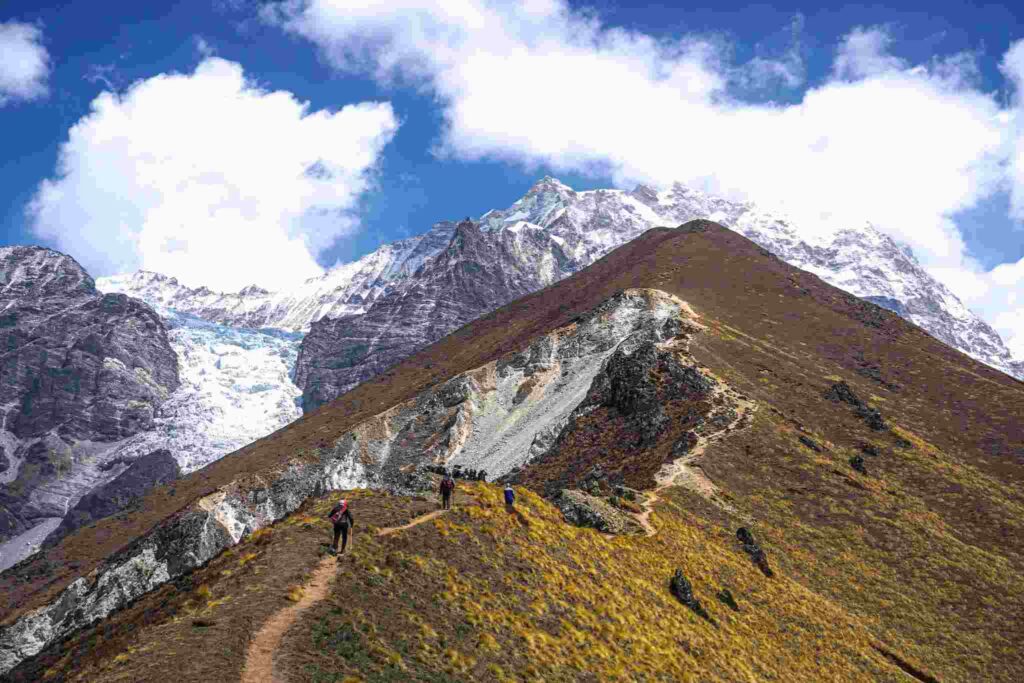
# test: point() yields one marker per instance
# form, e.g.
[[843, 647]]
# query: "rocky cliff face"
[[81, 371]]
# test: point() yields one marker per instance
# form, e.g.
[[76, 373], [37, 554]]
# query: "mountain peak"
[[253, 290], [550, 184]]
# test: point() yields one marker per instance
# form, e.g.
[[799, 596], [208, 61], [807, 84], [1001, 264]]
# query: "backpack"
[[340, 512], [448, 485]]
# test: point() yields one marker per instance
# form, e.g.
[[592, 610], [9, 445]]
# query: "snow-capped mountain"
[[554, 231], [345, 290], [414, 291]]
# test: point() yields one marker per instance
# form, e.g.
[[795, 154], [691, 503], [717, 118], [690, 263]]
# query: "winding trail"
[[259, 659], [684, 472]]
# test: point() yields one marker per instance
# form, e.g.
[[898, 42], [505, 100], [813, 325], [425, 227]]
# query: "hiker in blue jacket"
[[510, 496], [341, 517]]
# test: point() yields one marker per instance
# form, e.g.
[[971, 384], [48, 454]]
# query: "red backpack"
[[340, 512]]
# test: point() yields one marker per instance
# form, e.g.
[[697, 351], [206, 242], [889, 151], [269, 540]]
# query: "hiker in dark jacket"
[[341, 516], [447, 489]]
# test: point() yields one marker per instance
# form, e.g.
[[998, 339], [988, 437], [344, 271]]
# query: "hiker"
[[447, 489], [510, 497], [341, 517]]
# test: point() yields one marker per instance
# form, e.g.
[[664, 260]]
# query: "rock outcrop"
[[754, 550], [681, 588], [80, 370], [583, 509], [840, 392]]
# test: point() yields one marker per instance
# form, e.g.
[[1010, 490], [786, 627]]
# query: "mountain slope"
[[912, 547]]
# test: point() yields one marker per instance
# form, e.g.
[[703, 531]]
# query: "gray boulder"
[[585, 510]]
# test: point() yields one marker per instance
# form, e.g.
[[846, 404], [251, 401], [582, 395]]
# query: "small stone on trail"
[[857, 463], [203, 623]]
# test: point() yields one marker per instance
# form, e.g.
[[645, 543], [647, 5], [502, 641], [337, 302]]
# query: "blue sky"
[[440, 139]]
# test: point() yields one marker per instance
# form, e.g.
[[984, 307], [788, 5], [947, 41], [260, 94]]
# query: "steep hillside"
[[880, 469], [479, 594]]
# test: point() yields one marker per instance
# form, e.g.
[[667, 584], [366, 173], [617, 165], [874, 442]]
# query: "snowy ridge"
[[344, 290], [862, 261], [580, 227]]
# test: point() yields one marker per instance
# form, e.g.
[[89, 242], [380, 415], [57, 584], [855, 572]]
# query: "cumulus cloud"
[[24, 62], [207, 177], [905, 146]]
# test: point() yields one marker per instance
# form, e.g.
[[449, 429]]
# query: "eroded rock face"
[[583, 509], [153, 469], [507, 413], [78, 369]]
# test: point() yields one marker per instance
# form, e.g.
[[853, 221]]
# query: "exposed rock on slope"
[[583, 509], [80, 372]]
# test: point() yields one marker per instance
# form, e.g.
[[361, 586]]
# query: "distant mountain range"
[[364, 316]]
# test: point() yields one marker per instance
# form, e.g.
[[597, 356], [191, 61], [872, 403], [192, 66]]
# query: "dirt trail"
[[259, 660], [685, 472]]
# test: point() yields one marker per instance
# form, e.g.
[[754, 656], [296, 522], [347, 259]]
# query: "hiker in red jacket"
[[447, 489], [341, 517]]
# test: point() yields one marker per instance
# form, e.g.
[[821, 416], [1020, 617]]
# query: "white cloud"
[[24, 62], [864, 53], [203, 47], [905, 146], [1013, 67], [206, 177]]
